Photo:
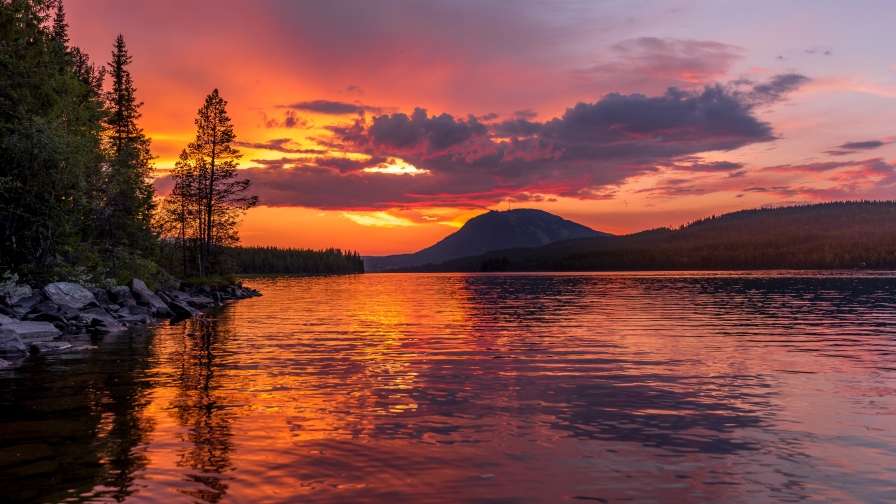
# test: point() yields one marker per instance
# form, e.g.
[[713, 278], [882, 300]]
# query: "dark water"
[[480, 389]]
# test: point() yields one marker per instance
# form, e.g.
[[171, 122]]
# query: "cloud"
[[332, 107], [290, 120], [525, 114], [777, 88], [465, 162], [278, 145], [870, 144], [668, 61]]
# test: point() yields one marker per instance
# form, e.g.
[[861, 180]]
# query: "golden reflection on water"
[[479, 388]]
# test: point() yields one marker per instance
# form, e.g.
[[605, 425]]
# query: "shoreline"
[[61, 317]]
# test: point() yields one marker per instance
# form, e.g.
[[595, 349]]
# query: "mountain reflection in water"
[[477, 388]]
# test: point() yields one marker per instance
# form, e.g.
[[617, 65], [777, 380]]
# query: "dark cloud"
[[488, 117], [290, 120], [525, 114], [333, 107], [585, 153], [777, 88], [278, 145], [870, 144], [818, 50]]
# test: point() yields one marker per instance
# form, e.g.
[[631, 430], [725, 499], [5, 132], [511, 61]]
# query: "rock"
[[179, 296], [27, 302], [5, 364], [101, 322], [11, 345], [101, 296], [135, 319], [47, 312], [129, 311], [112, 308], [205, 289], [147, 298], [57, 347], [45, 347], [12, 295], [164, 297], [31, 332], [183, 310], [201, 301], [68, 293], [121, 295], [4, 319]]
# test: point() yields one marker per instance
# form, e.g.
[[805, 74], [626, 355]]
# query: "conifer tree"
[[208, 198], [129, 194]]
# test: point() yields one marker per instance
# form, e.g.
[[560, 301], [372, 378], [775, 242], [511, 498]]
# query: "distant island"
[[839, 235]]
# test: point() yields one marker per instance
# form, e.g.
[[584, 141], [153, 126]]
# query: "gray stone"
[[45, 347], [31, 332], [183, 310], [135, 319], [101, 296], [27, 303], [47, 312], [68, 293], [5, 364], [164, 297], [57, 347], [147, 298], [12, 295], [5, 320], [11, 345], [201, 301], [179, 296], [101, 322], [121, 295]]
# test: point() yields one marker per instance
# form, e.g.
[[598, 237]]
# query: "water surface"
[[477, 388]]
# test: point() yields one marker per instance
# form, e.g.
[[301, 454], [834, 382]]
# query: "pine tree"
[[208, 199], [129, 194]]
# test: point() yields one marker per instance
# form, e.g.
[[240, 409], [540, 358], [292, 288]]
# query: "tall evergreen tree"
[[129, 193], [208, 198], [50, 150]]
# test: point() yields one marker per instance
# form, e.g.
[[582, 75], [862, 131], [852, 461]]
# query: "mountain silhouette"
[[495, 230]]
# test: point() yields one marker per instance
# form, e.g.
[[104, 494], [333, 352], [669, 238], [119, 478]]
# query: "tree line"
[[838, 235], [76, 194], [293, 261]]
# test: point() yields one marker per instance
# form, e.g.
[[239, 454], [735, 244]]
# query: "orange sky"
[[767, 109]]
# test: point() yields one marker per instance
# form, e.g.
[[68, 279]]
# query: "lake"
[[505, 388]]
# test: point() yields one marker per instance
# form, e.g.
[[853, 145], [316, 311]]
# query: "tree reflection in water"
[[75, 425], [205, 415]]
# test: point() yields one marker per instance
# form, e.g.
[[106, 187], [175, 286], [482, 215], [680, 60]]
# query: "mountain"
[[494, 230], [840, 235]]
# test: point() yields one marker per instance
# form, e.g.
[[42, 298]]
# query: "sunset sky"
[[383, 125]]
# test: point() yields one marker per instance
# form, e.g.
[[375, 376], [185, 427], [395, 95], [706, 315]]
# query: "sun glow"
[[378, 219], [396, 167]]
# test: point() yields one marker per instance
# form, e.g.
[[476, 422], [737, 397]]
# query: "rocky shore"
[[56, 318]]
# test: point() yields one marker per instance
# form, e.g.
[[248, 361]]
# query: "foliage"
[[202, 212], [841, 235], [64, 183], [289, 261]]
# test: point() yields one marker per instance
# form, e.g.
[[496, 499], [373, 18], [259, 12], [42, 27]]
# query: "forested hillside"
[[843, 235], [288, 261]]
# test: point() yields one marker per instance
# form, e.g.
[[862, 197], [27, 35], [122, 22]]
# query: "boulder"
[[47, 312], [27, 302], [101, 296], [67, 293], [5, 364], [57, 347], [12, 295], [11, 345], [135, 319], [183, 310], [101, 322], [201, 302], [31, 332], [147, 298], [179, 296], [5, 320], [121, 295], [164, 297]]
